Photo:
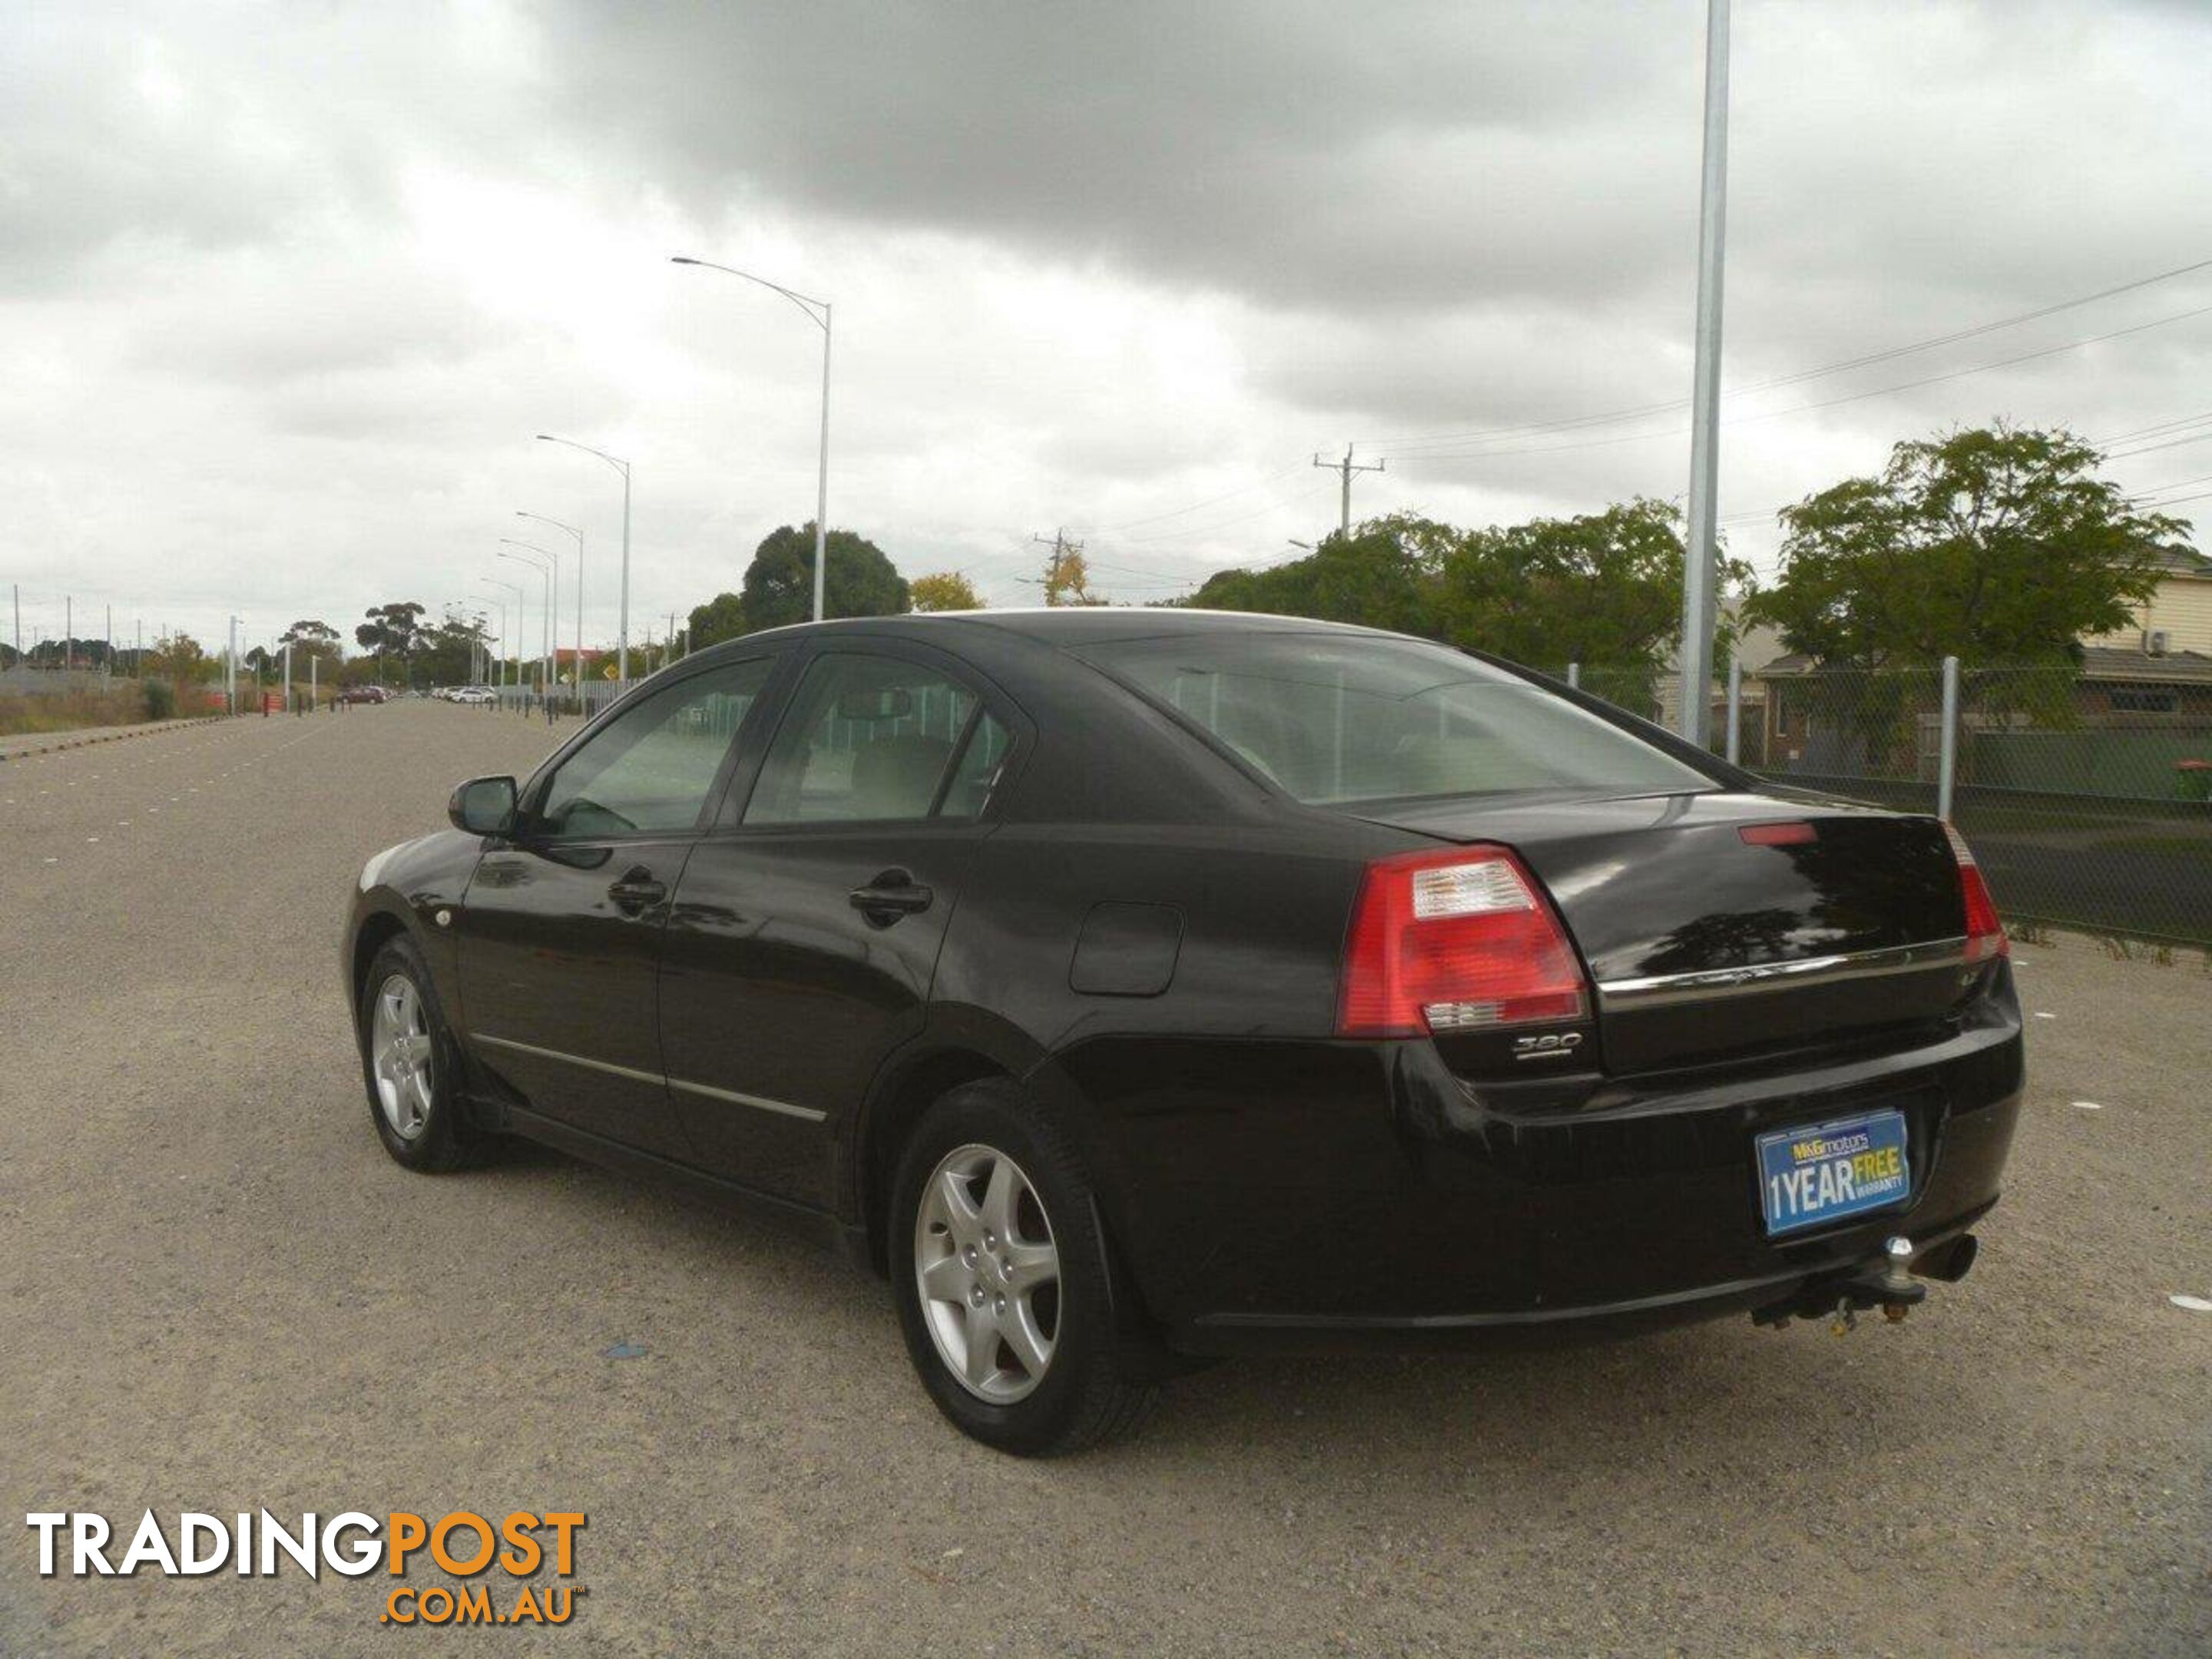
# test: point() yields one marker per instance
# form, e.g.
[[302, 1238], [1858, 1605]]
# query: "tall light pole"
[[817, 312], [521, 620], [1700, 570], [579, 535], [553, 613], [493, 581], [546, 574], [622, 637]]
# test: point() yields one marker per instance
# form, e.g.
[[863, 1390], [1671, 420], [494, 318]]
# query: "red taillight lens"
[[1985, 933], [1453, 941]]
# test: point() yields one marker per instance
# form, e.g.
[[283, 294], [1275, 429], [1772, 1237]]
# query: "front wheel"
[[1001, 1279], [412, 1065]]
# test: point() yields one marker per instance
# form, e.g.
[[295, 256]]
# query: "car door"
[[806, 926], [560, 932]]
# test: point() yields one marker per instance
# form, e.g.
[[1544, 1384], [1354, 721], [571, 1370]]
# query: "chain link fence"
[[2086, 793]]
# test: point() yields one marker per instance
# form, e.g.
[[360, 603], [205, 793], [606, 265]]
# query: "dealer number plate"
[[1811, 1176]]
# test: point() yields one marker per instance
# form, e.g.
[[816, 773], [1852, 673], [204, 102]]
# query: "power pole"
[[1056, 566], [69, 633], [1347, 467], [107, 651], [230, 671], [1700, 572]]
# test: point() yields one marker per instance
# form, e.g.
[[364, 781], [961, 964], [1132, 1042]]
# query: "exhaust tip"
[[1953, 1262]]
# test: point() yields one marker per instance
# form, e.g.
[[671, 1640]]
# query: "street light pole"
[[579, 535], [1700, 571], [521, 620], [621, 638], [553, 604], [499, 675], [545, 613], [817, 312]]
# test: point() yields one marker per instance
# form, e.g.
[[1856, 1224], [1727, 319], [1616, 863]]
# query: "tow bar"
[[1885, 1281]]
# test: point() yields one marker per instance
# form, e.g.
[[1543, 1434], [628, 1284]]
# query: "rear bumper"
[[1273, 1195]]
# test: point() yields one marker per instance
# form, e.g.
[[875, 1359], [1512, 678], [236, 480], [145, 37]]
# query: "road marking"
[[2087, 1106]]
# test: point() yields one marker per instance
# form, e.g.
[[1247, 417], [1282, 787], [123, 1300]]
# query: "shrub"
[[160, 700]]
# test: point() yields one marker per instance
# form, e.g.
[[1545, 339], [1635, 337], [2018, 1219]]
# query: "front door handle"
[[890, 895], [636, 889]]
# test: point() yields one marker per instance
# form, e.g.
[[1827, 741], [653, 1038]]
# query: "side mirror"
[[483, 806]]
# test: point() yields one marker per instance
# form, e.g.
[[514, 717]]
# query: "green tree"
[[445, 654], [179, 659], [722, 618], [859, 579], [1603, 588], [391, 629], [1383, 575], [317, 640], [1994, 545], [945, 590]]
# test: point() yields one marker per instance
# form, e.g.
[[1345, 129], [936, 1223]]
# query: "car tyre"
[[411, 1066], [995, 1241]]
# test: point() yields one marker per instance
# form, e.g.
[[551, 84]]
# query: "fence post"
[[1946, 754], [1574, 675], [1734, 711]]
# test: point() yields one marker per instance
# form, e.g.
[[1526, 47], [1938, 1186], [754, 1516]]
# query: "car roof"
[[1071, 625]]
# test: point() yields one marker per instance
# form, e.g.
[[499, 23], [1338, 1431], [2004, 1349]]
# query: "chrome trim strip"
[[737, 1099], [608, 1066], [756, 1101], [1660, 989]]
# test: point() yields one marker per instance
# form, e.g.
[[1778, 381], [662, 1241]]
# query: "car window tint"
[[650, 770], [977, 773], [866, 739], [1333, 718]]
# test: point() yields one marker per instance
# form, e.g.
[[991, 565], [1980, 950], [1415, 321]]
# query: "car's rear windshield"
[[1333, 718]]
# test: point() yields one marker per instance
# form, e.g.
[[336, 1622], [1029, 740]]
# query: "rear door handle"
[[890, 895], [636, 889]]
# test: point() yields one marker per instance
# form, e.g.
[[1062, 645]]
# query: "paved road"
[[218, 1293]]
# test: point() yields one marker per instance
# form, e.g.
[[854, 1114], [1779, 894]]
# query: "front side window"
[[1333, 718], [870, 739], [652, 769]]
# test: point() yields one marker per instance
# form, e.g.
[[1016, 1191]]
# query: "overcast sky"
[[286, 289]]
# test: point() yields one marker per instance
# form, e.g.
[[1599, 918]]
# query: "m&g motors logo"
[[255, 1544]]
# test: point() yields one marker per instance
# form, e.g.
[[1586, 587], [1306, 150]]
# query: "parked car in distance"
[[1132, 987], [472, 694], [364, 694]]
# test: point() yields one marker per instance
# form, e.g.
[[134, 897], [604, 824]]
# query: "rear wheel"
[[411, 1064], [1000, 1274]]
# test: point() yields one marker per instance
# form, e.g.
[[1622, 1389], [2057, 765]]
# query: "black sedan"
[[1137, 986]]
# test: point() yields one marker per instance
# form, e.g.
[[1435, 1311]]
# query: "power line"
[[1830, 403], [1864, 360], [1226, 495]]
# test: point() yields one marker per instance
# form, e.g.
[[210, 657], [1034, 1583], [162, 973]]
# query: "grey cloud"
[[1288, 152]]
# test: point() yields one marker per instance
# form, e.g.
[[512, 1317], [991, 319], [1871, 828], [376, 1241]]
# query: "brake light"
[[1455, 940], [1985, 933]]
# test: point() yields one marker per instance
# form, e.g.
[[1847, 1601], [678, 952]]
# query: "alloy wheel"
[[399, 1056], [988, 1272]]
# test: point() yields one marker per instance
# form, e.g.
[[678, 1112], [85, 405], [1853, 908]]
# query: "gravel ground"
[[220, 1294]]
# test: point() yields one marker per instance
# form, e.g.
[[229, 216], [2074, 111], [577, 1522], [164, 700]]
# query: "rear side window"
[[870, 739], [1333, 718]]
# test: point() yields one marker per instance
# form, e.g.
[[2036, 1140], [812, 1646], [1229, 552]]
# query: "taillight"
[[1453, 941], [1985, 933]]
